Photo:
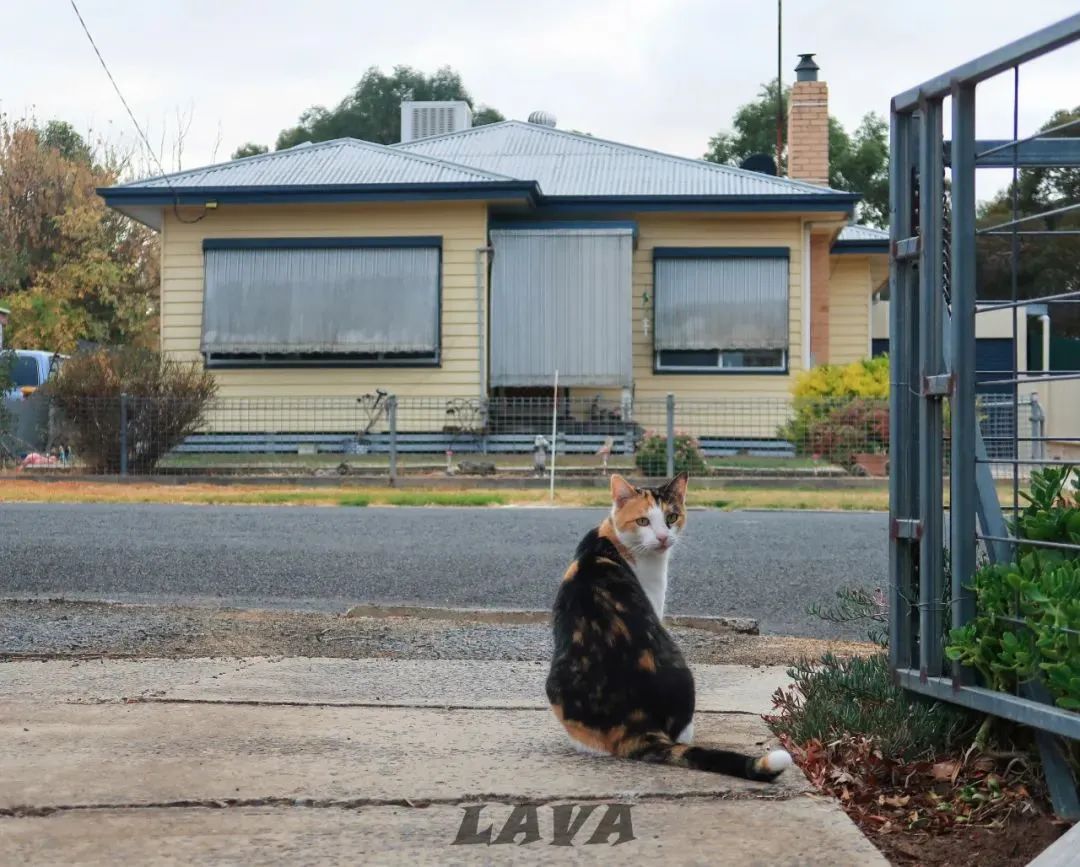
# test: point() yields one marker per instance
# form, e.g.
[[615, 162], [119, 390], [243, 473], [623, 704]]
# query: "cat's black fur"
[[618, 681]]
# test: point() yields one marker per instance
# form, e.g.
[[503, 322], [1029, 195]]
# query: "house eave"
[[861, 247], [134, 201]]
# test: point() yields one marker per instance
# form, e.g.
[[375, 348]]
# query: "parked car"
[[32, 369]]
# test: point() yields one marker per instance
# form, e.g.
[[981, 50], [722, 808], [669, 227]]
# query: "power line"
[[135, 123]]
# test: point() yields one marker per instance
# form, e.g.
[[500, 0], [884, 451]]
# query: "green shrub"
[[837, 698], [848, 429], [651, 455], [1027, 623], [166, 403], [824, 389]]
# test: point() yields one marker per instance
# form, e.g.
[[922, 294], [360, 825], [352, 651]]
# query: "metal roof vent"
[[807, 70], [424, 119], [542, 118]]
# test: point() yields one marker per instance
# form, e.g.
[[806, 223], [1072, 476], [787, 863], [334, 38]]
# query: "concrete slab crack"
[[29, 810]]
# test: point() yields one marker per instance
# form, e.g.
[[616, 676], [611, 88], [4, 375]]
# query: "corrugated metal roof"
[[863, 233], [341, 161], [571, 164]]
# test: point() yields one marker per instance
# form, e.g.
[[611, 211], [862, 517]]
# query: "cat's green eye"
[[672, 518], [643, 522]]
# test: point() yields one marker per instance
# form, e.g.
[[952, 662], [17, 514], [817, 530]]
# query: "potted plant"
[[874, 462]]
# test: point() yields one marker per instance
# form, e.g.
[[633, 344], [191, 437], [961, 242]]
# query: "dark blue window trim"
[[282, 361], [721, 252], [718, 253], [320, 243]]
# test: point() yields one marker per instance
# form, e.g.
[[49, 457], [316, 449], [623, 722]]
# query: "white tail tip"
[[778, 760]]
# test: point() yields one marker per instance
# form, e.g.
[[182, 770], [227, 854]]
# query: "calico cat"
[[618, 683]]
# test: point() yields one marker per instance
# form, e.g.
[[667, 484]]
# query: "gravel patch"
[[58, 628]]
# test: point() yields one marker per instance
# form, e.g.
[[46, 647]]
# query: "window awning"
[[321, 300], [561, 299], [721, 302]]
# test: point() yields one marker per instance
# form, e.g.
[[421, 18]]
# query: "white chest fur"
[[651, 571]]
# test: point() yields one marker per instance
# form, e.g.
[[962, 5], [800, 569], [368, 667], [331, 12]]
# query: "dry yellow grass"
[[779, 497]]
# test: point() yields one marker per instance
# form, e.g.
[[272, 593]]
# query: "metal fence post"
[[123, 434], [1038, 429], [391, 412], [963, 496], [931, 321], [903, 291], [670, 435]]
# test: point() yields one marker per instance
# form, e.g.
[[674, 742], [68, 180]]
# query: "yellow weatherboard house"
[[471, 262]]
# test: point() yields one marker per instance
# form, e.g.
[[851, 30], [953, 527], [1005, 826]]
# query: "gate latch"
[[906, 528], [938, 385]]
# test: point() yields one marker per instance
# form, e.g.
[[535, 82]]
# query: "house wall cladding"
[[462, 226], [850, 291]]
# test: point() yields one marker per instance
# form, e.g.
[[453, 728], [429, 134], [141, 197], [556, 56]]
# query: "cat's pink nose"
[[662, 539]]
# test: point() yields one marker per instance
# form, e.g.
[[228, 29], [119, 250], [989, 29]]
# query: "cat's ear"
[[675, 490], [621, 490]]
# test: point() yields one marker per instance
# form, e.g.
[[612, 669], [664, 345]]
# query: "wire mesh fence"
[[382, 434]]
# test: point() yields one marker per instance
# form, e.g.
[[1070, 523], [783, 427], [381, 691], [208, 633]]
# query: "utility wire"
[[135, 123]]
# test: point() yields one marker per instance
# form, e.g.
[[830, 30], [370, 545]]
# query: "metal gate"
[[933, 351]]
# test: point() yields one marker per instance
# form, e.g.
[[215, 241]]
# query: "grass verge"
[[729, 498]]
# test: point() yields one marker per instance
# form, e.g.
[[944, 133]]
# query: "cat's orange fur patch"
[[638, 716], [606, 741], [619, 629], [638, 507], [647, 662], [571, 571]]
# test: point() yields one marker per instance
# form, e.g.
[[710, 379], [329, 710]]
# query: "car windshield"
[[25, 371]]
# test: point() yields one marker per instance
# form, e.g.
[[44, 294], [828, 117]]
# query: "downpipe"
[[481, 355]]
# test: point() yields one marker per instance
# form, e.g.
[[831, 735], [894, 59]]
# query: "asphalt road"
[[768, 565]]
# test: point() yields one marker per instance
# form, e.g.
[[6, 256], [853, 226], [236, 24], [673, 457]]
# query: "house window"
[[721, 309], [321, 302]]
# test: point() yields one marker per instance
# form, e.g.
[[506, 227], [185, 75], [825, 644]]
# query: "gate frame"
[[932, 354]]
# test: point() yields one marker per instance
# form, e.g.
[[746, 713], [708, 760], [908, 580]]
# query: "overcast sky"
[[664, 74]]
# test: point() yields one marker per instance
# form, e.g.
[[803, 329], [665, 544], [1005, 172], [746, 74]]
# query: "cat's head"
[[648, 520]]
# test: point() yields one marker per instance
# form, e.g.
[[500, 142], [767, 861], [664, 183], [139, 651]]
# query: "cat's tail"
[[658, 747]]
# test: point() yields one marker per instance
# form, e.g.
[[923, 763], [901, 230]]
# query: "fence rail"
[[386, 434]]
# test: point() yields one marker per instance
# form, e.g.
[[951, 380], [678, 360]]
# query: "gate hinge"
[[906, 528], [938, 385]]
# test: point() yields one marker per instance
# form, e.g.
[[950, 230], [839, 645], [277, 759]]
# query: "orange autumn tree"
[[70, 269]]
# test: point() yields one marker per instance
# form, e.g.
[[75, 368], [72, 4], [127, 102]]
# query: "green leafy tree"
[[858, 162], [61, 136], [251, 149], [1046, 264], [372, 111]]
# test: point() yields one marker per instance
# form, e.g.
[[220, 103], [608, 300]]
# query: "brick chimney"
[[808, 125], [808, 160]]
